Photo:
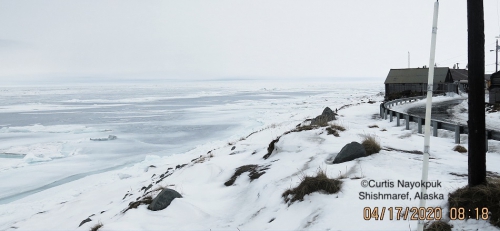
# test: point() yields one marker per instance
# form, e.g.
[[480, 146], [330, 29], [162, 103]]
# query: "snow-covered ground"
[[65, 178]]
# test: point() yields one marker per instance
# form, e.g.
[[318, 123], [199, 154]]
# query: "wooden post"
[[457, 134], [397, 119], [476, 122], [390, 116]]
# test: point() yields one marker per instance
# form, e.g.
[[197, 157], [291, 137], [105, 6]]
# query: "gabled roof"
[[416, 75], [459, 74]]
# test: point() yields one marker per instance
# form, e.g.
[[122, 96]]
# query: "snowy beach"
[[192, 138], [249, 115]]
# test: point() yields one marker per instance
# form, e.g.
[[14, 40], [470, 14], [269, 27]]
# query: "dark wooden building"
[[494, 88], [461, 77], [414, 80]]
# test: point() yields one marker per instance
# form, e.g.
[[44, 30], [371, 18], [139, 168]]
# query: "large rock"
[[164, 199], [350, 152], [325, 117]]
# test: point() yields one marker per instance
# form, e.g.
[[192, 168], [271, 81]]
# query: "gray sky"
[[226, 39]]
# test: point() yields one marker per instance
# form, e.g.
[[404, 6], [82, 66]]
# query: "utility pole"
[[476, 122], [496, 57], [428, 110]]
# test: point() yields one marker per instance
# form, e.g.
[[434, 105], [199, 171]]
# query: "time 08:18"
[[462, 213]]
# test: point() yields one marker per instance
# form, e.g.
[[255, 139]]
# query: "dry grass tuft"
[[460, 148], [482, 196], [147, 200], [373, 126], [370, 144], [310, 184], [202, 158], [304, 128], [254, 170], [332, 131], [438, 226], [334, 128], [96, 226], [338, 127]]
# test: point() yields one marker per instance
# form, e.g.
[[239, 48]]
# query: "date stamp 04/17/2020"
[[422, 213]]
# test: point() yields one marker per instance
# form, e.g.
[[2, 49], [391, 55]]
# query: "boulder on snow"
[[325, 117], [164, 199], [350, 152]]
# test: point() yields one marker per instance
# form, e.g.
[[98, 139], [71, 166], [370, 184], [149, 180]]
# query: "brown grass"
[[332, 131], [337, 127], [334, 128], [310, 184], [96, 226], [133, 205], [373, 126], [482, 196], [202, 158], [304, 128], [254, 170], [370, 144], [438, 226], [460, 148]]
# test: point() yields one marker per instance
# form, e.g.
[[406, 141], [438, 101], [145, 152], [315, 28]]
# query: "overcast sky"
[[231, 39]]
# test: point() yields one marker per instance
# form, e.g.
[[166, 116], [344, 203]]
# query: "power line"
[[463, 54]]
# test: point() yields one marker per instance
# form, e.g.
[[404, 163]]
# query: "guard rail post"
[[407, 121], [435, 128], [419, 125], [397, 119], [486, 140], [457, 134]]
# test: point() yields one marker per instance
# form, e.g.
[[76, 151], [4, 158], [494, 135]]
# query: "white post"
[[425, 165], [408, 59]]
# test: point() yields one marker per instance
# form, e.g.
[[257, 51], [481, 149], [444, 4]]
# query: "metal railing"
[[458, 128]]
